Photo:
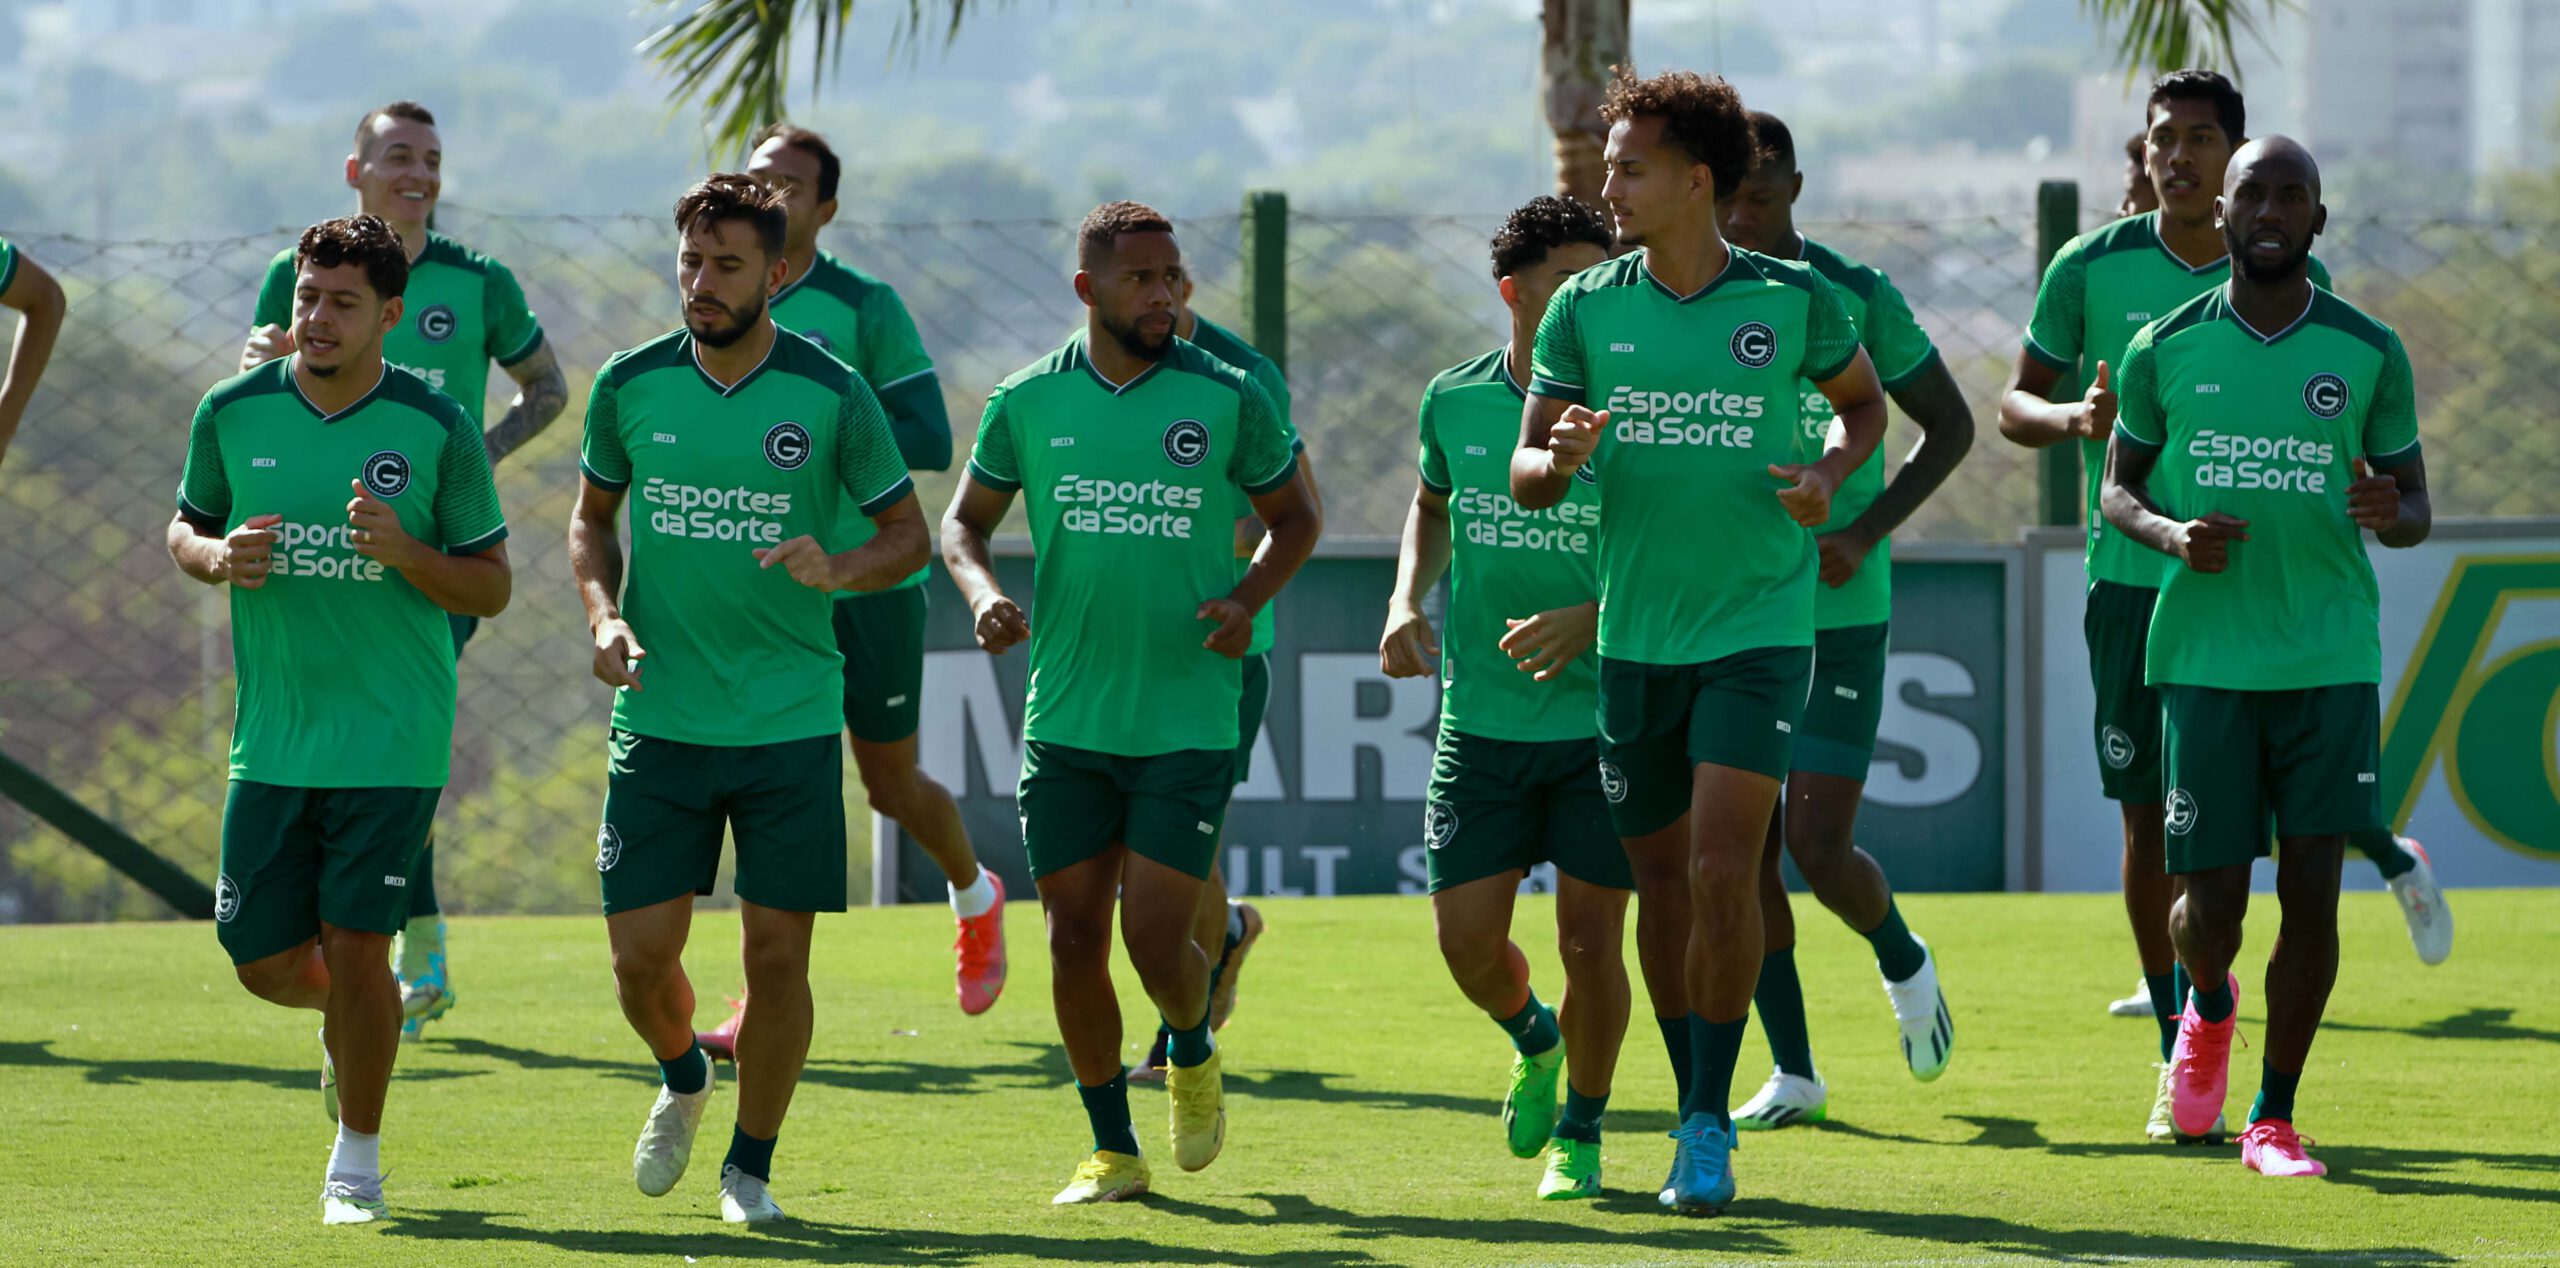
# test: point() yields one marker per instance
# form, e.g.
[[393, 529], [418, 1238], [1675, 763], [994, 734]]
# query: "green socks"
[[1898, 954], [749, 1154], [1532, 1029], [2275, 1094], [1106, 1109], [1581, 1120], [2214, 1005], [686, 1073], [1675, 1043], [2384, 849], [1188, 1048], [1780, 999], [1714, 1048]]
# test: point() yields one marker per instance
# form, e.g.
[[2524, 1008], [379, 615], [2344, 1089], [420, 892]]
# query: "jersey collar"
[[1502, 362], [2192, 270], [360, 402], [694, 348], [1732, 265], [1085, 354], [2269, 340], [816, 262]]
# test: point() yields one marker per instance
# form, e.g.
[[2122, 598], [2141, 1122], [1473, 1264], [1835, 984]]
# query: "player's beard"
[[2236, 245], [723, 336], [1133, 342]]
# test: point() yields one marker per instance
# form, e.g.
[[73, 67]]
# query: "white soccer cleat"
[[2422, 905], [666, 1140], [349, 1200], [744, 1200], [1920, 1009], [328, 1078], [1785, 1100], [2137, 1004], [2163, 1130]]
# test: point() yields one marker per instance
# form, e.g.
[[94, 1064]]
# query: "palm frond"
[[733, 57], [2155, 36]]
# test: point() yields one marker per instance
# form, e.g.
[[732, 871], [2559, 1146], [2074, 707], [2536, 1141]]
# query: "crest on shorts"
[[436, 323], [2325, 395], [2181, 817], [608, 848], [1439, 823], [1754, 344], [226, 899], [386, 473], [1613, 782], [1186, 442], [786, 445], [2116, 747]]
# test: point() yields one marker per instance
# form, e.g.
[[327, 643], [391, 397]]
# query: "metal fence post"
[[1266, 274], [2058, 466]]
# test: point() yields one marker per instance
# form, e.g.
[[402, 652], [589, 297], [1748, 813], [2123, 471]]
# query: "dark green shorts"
[[1076, 803], [882, 638], [1251, 709], [1659, 721], [463, 628], [2118, 627], [293, 858], [1499, 806], [1838, 736], [2237, 760], [666, 802]]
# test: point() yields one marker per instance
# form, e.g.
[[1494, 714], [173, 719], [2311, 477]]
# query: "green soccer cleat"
[[1573, 1171], [1529, 1109]]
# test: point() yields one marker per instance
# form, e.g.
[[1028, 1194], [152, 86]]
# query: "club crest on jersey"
[[1754, 344], [2116, 747], [2325, 395], [436, 323], [2181, 817], [1186, 442], [1613, 782], [608, 848], [226, 899], [787, 446], [386, 473], [818, 337], [1588, 472], [1439, 823]]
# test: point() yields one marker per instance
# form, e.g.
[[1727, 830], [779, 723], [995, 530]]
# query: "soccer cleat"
[[426, 990], [1784, 1101], [328, 1078], [2200, 1067], [1159, 1057], [980, 952], [1920, 1009], [721, 1041], [1104, 1177], [744, 1199], [2137, 1004], [1701, 1167], [352, 1200], [1198, 1113], [1529, 1108], [666, 1139], [1222, 995], [2422, 905], [2271, 1148], [1573, 1171], [2163, 1130]]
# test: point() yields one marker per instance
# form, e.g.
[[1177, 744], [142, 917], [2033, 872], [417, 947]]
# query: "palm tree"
[[1583, 39], [734, 56]]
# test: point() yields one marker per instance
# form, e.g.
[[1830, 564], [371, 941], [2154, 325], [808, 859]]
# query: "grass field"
[[156, 1113]]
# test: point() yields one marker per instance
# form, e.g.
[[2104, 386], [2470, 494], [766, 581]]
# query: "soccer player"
[[2101, 288], [2263, 425], [463, 311], [747, 444], [2139, 194], [350, 507], [25, 286], [1125, 443], [1516, 779], [1836, 739], [1674, 372]]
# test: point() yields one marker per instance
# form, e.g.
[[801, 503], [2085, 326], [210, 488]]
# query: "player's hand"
[[802, 557], [1842, 552], [249, 550], [374, 530], [618, 654], [999, 624], [1408, 649], [1575, 436], [2373, 501], [2097, 416], [2206, 543], [266, 343], [1235, 627], [1807, 496], [1542, 645]]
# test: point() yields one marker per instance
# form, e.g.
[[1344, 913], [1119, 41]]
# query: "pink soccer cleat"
[[980, 949], [2200, 1067], [2271, 1148], [720, 1042]]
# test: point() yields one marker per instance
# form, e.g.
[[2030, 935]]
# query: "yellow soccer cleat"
[[1104, 1177], [1198, 1111]]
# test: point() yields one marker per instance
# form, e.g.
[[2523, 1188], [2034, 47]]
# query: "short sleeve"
[[1830, 333], [601, 454], [1557, 369], [204, 491], [2320, 275], [1434, 462], [1276, 386], [8, 264], [867, 458], [275, 293], [2139, 417], [1893, 337], [514, 332], [1264, 459], [2054, 332], [467, 512], [2391, 418], [891, 352], [992, 460]]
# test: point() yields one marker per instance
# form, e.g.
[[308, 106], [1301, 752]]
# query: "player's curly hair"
[[358, 240], [724, 196], [1701, 114], [1540, 226], [1103, 226], [830, 168]]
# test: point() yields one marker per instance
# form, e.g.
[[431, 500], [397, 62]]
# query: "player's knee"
[[269, 979], [897, 793], [1157, 946], [774, 962], [1657, 870], [1077, 942], [641, 968], [1467, 950], [1718, 873], [1585, 940]]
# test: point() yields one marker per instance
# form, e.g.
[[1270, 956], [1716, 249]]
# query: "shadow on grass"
[[2493, 1024], [1037, 1066], [40, 1056]]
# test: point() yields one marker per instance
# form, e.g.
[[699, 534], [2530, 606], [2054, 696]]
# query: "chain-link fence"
[[115, 671]]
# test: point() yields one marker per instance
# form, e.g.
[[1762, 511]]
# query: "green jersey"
[[461, 311], [2102, 287], [1128, 492], [2268, 428], [1900, 350], [346, 675], [1506, 562], [8, 264], [1230, 347], [1702, 397], [738, 653], [860, 321]]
